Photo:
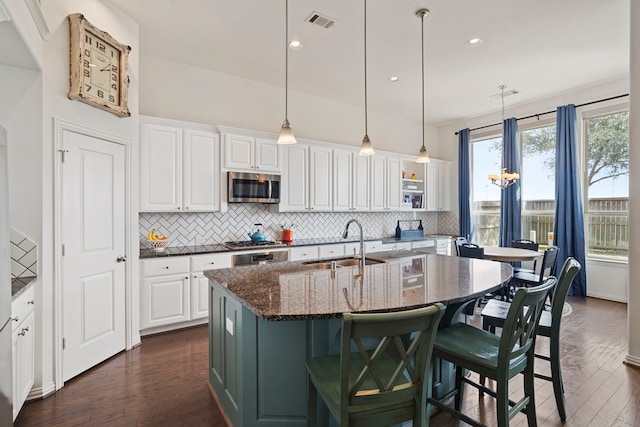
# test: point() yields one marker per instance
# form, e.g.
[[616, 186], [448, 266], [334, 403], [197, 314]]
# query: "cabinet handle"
[[212, 263], [186, 207], [167, 267], [15, 319], [186, 277], [178, 207], [24, 331], [31, 302]]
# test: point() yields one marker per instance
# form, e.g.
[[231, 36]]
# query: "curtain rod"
[[549, 112]]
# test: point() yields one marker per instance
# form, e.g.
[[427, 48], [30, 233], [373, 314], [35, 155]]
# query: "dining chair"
[[459, 241], [380, 386], [525, 244], [495, 312], [470, 250], [497, 357], [547, 268]]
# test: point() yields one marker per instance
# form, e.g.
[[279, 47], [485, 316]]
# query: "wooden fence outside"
[[607, 223]]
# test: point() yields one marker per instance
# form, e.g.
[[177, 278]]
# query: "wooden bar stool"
[[495, 313]]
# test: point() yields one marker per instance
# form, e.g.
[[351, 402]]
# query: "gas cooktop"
[[249, 244]]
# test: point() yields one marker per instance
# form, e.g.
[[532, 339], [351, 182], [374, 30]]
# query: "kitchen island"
[[264, 321]]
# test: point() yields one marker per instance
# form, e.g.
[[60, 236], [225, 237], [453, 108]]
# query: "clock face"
[[101, 69], [98, 67]]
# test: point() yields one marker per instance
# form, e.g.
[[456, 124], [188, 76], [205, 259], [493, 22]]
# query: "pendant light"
[[286, 133], [423, 155], [366, 149]]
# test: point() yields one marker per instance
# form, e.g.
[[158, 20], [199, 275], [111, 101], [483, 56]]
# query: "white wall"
[[633, 355], [604, 279], [37, 98], [177, 91]]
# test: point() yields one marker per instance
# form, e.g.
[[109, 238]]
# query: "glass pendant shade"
[[366, 149], [423, 155], [286, 134]]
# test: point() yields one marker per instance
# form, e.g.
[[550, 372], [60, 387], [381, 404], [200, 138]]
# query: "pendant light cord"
[[422, 75], [365, 68], [286, 60]]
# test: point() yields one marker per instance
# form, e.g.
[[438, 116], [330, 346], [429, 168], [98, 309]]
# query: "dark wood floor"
[[163, 382]]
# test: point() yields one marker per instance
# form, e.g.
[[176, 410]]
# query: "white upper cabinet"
[[179, 167], [350, 181], [385, 182], [438, 185], [249, 152], [306, 179]]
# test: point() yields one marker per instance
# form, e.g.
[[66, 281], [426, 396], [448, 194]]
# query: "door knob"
[[121, 258]]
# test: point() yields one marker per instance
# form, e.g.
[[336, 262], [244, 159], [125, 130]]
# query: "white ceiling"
[[539, 48]]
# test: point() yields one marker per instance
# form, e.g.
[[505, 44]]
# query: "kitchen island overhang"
[[265, 321]]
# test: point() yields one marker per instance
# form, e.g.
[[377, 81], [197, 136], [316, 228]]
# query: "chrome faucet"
[[346, 234]]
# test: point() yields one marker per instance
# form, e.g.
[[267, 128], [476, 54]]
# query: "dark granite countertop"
[[219, 248], [298, 291], [19, 284]]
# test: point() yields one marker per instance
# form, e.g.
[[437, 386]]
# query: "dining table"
[[509, 254]]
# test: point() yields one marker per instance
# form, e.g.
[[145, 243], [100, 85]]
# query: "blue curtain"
[[464, 184], [568, 229], [510, 201]]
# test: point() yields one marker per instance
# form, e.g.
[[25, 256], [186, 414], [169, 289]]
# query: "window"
[[538, 182], [607, 185], [486, 157]]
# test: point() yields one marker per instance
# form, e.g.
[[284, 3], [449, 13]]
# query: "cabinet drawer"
[[303, 252], [22, 306], [329, 251], [210, 262], [443, 243], [164, 266], [403, 246], [376, 246], [423, 244]]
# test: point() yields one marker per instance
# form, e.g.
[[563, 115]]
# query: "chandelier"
[[505, 179]]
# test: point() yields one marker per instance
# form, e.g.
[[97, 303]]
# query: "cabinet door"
[[267, 155], [444, 186], [23, 362], [295, 185], [432, 185], [201, 177], [320, 179], [238, 151], [165, 300], [394, 183], [199, 296], [342, 179], [360, 195], [160, 168], [378, 182]]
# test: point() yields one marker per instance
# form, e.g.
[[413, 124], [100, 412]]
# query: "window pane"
[[607, 182], [486, 159], [537, 183]]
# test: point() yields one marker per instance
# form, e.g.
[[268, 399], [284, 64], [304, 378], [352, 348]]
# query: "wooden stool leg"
[[556, 375]]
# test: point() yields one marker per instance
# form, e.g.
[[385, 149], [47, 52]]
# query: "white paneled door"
[[93, 261]]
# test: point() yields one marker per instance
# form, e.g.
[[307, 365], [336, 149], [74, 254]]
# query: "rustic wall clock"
[[98, 73]]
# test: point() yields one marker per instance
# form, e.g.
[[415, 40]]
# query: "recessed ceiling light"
[[474, 42], [295, 44], [393, 79]]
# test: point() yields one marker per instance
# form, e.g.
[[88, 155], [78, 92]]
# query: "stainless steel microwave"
[[246, 187]]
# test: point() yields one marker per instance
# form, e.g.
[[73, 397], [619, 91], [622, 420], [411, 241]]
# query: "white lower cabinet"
[[174, 289], [22, 337], [302, 253]]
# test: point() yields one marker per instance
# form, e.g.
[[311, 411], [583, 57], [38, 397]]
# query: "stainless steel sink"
[[343, 262]]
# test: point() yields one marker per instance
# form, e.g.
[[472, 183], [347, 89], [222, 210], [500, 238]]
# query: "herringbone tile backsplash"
[[24, 255], [217, 227]]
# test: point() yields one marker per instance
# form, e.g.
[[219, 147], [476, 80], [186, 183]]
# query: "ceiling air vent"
[[320, 20]]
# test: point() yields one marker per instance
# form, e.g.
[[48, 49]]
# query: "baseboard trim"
[[38, 393], [632, 360], [606, 296], [173, 327]]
